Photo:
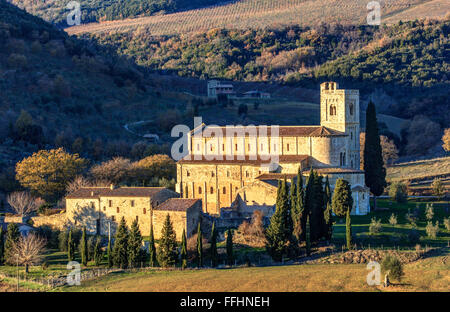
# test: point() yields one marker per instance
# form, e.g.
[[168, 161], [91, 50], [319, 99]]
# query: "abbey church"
[[233, 169]]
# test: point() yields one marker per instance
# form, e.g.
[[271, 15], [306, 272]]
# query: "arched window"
[[186, 191], [224, 190], [144, 211], [351, 108], [199, 189], [118, 210], [332, 110], [211, 190], [212, 174]]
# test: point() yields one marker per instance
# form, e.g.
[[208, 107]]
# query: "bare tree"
[[24, 203], [76, 184], [28, 250]]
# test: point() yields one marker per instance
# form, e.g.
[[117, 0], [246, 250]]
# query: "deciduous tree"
[[24, 203], [48, 172], [27, 250], [342, 204]]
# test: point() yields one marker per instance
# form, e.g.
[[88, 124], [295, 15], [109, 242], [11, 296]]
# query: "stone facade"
[[226, 165], [101, 209]]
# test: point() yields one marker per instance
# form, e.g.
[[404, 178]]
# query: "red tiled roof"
[[246, 161], [332, 170], [313, 131], [95, 192], [276, 176], [177, 204]]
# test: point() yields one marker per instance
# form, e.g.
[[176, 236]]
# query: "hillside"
[[55, 11], [403, 68], [246, 14]]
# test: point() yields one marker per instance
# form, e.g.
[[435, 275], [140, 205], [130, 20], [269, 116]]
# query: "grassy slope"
[[261, 13], [425, 275]]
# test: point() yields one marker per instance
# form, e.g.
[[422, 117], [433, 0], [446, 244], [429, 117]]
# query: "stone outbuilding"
[[100, 209]]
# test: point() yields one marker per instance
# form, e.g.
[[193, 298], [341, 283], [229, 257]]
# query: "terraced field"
[[262, 13]]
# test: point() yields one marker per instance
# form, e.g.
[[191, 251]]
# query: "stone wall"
[[187, 220]]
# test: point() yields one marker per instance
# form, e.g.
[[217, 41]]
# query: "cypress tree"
[[308, 237], [152, 248], [120, 250], [328, 224], [213, 250], [135, 255], [297, 209], [84, 248], [98, 254], [12, 236], [2, 246], [374, 170], [309, 201], [348, 230], [317, 209], [110, 256], [199, 246], [342, 204], [70, 247], [230, 258], [167, 252], [276, 232], [183, 250]]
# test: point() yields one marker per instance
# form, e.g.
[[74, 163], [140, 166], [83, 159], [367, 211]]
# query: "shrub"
[[393, 267], [438, 188], [429, 212], [411, 218], [17, 61], [447, 223], [432, 230], [393, 220], [375, 226], [413, 236], [398, 192]]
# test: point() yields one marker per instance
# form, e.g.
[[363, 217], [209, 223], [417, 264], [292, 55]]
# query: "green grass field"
[[424, 275], [433, 271]]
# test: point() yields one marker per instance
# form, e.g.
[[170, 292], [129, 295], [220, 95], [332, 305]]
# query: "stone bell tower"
[[339, 110]]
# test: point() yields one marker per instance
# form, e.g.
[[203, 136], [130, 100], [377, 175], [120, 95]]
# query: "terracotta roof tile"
[[315, 131], [246, 161], [332, 170], [95, 192], [177, 204]]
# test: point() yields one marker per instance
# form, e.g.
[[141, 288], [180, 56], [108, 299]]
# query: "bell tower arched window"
[[332, 110], [351, 108]]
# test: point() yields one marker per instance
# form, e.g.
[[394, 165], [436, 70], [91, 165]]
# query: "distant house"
[[215, 88], [257, 95]]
